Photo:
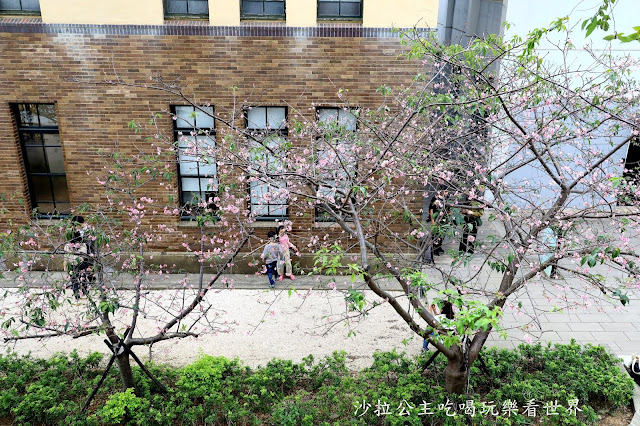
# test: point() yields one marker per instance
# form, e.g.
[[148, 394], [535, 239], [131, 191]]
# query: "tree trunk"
[[456, 374], [125, 370], [126, 374]]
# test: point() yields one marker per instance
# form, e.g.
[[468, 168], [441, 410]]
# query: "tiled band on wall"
[[344, 30]]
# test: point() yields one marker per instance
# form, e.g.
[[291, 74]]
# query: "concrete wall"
[[137, 12], [400, 13], [224, 12], [302, 13], [299, 13]]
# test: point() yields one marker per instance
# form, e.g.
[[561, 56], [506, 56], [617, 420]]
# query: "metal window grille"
[[31, 7], [187, 8], [267, 200], [195, 138], [43, 159], [340, 9], [336, 168], [263, 9]]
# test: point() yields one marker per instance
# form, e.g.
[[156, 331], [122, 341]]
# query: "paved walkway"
[[545, 310]]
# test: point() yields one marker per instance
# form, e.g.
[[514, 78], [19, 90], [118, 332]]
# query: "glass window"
[[31, 7], [263, 9], [337, 161], [340, 9], [195, 136], [43, 159], [268, 200], [198, 8]]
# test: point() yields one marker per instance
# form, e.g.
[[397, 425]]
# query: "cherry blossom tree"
[[494, 129], [535, 144], [113, 240]]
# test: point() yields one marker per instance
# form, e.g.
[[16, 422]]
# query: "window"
[[43, 160], [31, 7], [268, 200], [340, 9], [195, 136], [187, 8], [337, 162], [263, 9]]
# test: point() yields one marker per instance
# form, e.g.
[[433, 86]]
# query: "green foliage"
[[601, 20], [125, 408], [216, 390]]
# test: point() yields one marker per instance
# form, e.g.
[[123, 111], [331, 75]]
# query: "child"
[[283, 238], [272, 254], [447, 312]]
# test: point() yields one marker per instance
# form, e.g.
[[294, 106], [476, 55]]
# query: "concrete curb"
[[635, 421]]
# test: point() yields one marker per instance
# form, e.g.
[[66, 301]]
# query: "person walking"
[[272, 254], [438, 216], [472, 221], [75, 263], [284, 267]]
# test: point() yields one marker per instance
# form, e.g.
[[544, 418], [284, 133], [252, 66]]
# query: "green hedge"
[[216, 390]]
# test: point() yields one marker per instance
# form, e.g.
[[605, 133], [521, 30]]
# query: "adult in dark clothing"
[[83, 269], [438, 216], [75, 263], [472, 221]]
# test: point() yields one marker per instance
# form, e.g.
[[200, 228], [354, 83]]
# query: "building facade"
[[283, 59]]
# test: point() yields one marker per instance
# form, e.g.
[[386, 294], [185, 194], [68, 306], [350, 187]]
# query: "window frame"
[[318, 215], [42, 130], [282, 132], [22, 12], [187, 15], [176, 136], [338, 17], [250, 17]]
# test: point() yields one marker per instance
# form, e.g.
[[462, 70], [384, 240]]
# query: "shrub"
[[125, 408], [216, 390]]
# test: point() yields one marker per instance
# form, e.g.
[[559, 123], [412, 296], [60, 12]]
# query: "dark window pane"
[[252, 7], [63, 208], [48, 115], [328, 9], [55, 160], [51, 139], [350, 9], [9, 4], [41, 188], [31, 5], [31, 139], [45, 208], [198, 7], [189, 197], [175, 6], [28, 115], [275, 8], [60, 190], [35, 160]]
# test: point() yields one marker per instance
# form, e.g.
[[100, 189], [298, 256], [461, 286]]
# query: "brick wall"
[[40, 62]]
